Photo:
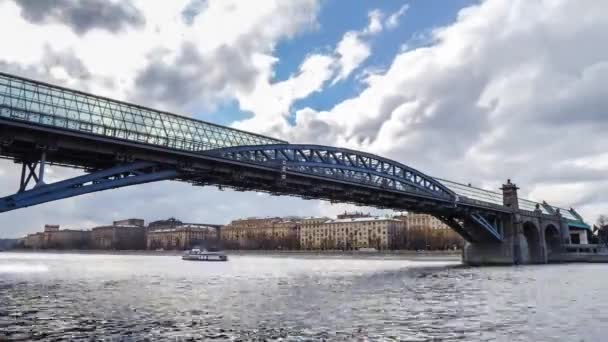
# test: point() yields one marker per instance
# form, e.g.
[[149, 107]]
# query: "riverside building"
[[127, 234], [427, 232], [262, 233], [55, 238], [182, 237], [351, 233]]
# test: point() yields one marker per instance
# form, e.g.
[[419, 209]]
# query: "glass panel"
[[27, 100], [472, 192]]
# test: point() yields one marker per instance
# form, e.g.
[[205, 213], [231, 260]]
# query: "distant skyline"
[[472, 91]]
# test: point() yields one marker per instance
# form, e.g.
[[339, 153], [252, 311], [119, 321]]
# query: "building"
[[262, 233], [130, 222], [579, 236], [54, 238], [120, 237], [350, 233], [427, 232], [356, 214], [165, 224], [48, 228], [68, 239], [182, 237], [34, 241]]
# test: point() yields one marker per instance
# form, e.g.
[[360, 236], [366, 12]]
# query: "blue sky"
[[334, 19]]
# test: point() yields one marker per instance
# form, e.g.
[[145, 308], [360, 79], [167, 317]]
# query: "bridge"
[[120, 144]]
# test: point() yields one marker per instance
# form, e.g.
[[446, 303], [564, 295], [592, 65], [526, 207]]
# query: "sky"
[[471, 91]]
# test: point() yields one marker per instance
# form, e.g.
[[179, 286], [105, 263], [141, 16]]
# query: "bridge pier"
[[523, 240], [506, 252], [523, 243]]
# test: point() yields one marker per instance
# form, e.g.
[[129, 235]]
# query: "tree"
[[602, 229]]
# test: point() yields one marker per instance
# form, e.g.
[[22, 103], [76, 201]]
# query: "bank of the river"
[[441, 255]]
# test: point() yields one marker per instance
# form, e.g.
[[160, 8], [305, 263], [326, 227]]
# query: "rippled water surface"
[[131, 297]]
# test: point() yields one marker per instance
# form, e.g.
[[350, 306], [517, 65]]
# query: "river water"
[[136, 297]]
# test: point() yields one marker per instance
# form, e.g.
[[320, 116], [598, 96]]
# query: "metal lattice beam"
[[486, 226], [116, 177], [340, 164]]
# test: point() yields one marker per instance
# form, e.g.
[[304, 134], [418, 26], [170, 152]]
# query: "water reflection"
[[48, 296]]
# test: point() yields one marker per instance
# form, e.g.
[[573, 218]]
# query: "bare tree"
[[602, 221], [601, 230]]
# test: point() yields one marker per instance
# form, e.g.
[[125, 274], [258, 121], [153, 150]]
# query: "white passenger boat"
[[197, 254]]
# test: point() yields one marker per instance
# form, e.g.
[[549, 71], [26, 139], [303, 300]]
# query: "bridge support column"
[[491, 252], [522, 242]]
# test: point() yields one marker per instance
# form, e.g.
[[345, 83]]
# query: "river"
[[301, 298]]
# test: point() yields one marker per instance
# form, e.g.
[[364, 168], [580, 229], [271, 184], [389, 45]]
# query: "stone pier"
[[528, 236]]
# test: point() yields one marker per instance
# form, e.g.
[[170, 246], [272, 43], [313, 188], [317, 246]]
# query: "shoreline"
[[416, 255]]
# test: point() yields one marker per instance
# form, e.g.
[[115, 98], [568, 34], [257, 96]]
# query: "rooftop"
[[362, 219]]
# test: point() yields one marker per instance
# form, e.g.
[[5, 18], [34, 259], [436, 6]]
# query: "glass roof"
[[473, 192], [496, 198], [41, 103]]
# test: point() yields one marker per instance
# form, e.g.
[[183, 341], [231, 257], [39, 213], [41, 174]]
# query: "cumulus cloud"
[[393, 20], [512, 89], [83, 15], [272, 102], [219, 44], [191, 76], [352, 51], [375, 22], [354, 47], [170, 63]]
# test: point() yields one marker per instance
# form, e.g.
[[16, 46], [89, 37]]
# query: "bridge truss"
[[121, 144]]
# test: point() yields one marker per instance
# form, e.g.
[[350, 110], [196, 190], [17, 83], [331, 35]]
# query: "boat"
[[197, 254]]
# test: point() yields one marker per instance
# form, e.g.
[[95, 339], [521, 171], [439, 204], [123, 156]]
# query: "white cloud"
[[352, 51], [271, 102], [375, 22], [512, 89], [203, 59], [393, 20], [354, 48], [218, 45]]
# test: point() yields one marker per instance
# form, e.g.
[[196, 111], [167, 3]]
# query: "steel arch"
[[340, 164]]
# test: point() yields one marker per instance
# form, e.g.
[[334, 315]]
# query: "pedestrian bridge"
[[120, 144]]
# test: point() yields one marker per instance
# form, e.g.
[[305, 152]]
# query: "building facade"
[[119, 237], [165, 224], [34, 241], [55, 238], [262, 233], [426, 232], [68, 239], [182, 237], [130, 222], [350, 233]]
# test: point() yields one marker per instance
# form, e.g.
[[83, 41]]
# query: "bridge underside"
[[310, 172], [492, 236], [120, 144]]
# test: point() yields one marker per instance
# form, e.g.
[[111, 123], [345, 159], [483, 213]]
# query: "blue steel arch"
[[341, 164]]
